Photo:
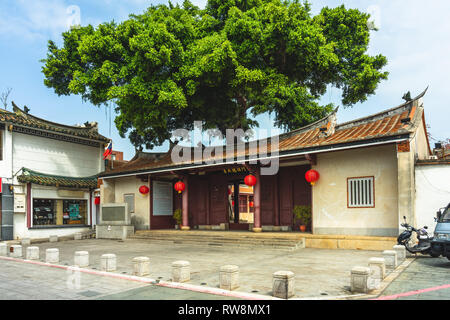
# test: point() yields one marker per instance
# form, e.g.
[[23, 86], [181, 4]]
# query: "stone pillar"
[[390, 258], [3, 249], [359, 281], [53, 238], [141, 266], [283, 284], [109, 262], [33, 253], [52, 255], [16, 251], [401, 253], [185, 205], [181, 271], [377, 272], [229, 277], [81, 259], [257, 202]]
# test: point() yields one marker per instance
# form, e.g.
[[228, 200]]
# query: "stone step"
[[209, 238], [256, 244]]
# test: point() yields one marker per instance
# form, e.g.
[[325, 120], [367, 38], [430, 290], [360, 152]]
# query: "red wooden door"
[[218, 199]]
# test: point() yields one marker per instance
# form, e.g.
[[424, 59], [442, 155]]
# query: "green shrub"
[[302, 214], [177, 216]]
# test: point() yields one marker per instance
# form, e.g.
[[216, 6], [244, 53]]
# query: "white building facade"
[[48, 176]]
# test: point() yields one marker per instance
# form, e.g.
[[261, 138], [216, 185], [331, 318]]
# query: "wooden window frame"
[[373, 193]]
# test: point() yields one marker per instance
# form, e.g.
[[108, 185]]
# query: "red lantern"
[[180, 186], [251, 204], [232, 203], [144, 189], [312, 176], [250, 180], [97, 200]]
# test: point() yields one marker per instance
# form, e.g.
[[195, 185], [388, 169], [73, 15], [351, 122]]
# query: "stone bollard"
[[390, 258], [52, 255], [16, 251], [25, 242], [109, 262], [78, 236], [33, 253], [3, 249], [401, 253], [360, 279], [141, 266], [283, 284], [377, 272], [81, 259], [53, 238], [229, 277], [181, 271]]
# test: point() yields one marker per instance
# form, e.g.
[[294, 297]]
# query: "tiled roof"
[[30, 176], [21, 118], [386, 125]]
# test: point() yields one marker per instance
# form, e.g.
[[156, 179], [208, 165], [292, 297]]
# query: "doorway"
[[240, 205]]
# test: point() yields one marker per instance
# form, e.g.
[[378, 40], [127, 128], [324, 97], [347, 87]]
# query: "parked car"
[[441, 242]]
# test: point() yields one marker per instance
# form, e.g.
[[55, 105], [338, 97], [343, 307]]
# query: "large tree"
[[224, 65]]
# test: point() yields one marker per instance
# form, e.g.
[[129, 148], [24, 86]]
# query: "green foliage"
[[224, 65], [177, 215], [302, 214]]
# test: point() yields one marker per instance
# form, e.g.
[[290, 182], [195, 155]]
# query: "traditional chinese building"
[[48, 175], [365, 184]]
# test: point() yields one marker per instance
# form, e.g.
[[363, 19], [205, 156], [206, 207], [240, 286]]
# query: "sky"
[[414, 35]]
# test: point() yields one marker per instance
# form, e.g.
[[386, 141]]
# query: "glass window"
[[50, 212]]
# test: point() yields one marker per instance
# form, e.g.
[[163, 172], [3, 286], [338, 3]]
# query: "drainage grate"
[[89, 293]]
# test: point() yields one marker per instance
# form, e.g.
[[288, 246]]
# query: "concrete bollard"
[[377, 272], [229, 277], [401, 253], [78, 236], [390, 258], [360, 279], [283, 284], [109, 262], [181, 271], [33, 253], [52, 255], [16, 251], [25, 242], [3, 249], [81, 259], [141, 266], [53, 238]]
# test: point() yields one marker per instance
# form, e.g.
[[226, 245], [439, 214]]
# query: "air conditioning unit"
[[432, 157]]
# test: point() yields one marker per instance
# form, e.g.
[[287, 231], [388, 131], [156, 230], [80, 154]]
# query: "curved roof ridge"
[[310, 126], [407, 104], [29, 171], [26, 115]]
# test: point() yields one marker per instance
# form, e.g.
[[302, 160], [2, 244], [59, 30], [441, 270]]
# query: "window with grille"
[[361, 192]]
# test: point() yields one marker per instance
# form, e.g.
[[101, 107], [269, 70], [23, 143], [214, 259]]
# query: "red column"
[[257, 202], [185, 205]]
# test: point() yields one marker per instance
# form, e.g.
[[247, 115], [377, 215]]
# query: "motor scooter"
[[424, 244]]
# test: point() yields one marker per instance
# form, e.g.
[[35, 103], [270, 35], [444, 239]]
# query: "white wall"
[[54, 156], [6, 163], [432, 192]]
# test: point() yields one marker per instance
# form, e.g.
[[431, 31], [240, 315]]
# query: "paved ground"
[[319, 272], [425, 279]]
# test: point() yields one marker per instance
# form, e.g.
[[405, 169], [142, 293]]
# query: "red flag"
[[108, 150]]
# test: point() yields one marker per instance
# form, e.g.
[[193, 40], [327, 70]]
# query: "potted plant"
[[302, 216], [178, 218]]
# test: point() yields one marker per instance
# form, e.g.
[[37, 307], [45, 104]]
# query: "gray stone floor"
[[318, 272], [424, 273]]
